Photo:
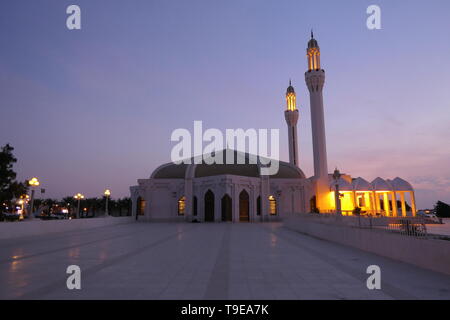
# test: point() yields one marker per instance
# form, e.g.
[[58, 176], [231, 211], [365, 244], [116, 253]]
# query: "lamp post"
[[33, 182], [21, 202], [337, 200], [78, 197], [107, 193]]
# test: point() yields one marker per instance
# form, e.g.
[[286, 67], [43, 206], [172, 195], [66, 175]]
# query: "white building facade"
[[240, 193], [220, 192]]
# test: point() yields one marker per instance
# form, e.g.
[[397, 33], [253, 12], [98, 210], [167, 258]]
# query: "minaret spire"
[[313, 53], [291, 115], [315, 79]]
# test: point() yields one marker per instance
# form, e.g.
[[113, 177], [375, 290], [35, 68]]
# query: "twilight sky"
[[95, 108]]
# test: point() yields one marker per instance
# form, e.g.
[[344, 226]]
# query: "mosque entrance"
[[209, 206], [244, 207], [226, 208]]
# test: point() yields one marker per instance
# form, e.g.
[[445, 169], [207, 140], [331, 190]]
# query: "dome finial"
[[290, 82], [312, 34]]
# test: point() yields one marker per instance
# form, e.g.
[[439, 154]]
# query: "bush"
[[442, 209], [357, 211]]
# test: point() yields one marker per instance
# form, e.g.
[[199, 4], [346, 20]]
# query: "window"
[[141, 206], [272, 205], [181, 206]]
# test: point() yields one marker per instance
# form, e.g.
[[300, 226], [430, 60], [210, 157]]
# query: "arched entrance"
[[194, 211], [140, 207], [209, 206], [227, 208], [244, 206], [258, 206], [313, 205]]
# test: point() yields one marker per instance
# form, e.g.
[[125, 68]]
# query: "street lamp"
[[107, 193], [33, 182], [21, 202], [337, 200], [78, 197]]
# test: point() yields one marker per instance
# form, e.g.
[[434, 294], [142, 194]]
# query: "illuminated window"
[[313, 59], [290, 99], [181, 206], [141, 206], [272, 205]]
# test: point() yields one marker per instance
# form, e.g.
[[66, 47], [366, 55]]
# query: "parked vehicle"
[[58, 215], [52, 216], [430, 216], [434, 217], [11, 216]]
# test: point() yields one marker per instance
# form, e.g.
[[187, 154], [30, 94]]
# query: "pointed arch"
[[244, 206], [140, 210], [194, 205], [227, 212], [258, 206], [209, 206]]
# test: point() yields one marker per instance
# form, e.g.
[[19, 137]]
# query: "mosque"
[[240, 193]]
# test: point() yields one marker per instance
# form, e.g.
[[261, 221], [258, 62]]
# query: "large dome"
[[178, 171]]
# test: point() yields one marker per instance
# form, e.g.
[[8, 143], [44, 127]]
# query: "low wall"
[[430, 254], [35, 227]]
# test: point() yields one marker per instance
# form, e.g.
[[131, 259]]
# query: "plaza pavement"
[[440, 229], [203, 261]]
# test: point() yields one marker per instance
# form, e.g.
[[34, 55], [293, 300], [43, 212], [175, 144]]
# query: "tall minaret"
[[291, 116], [315, 79]]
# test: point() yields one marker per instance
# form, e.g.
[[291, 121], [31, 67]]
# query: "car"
[[58, 215], [421, 213], [430, 216], [51, 216], [433, 217], [11, 216]]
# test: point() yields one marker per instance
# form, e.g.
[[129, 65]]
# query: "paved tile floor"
[[203, 261], [441, 229]]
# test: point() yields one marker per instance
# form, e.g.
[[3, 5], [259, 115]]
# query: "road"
[[203, 261]]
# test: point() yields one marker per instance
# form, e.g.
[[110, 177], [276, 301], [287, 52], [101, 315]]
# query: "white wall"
[[430, 254]]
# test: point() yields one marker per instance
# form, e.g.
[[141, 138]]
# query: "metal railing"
[[414, 227], [409, 226]]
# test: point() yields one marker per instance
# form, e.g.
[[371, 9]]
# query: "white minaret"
[[291, 116], [315, 79]]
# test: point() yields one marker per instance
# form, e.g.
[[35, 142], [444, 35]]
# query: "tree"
[[357, 211], [68, 201], [9, 187], [124, 204], [442, 209], [112, 207]]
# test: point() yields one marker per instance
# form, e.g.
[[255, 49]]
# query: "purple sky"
[[95, 108]]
